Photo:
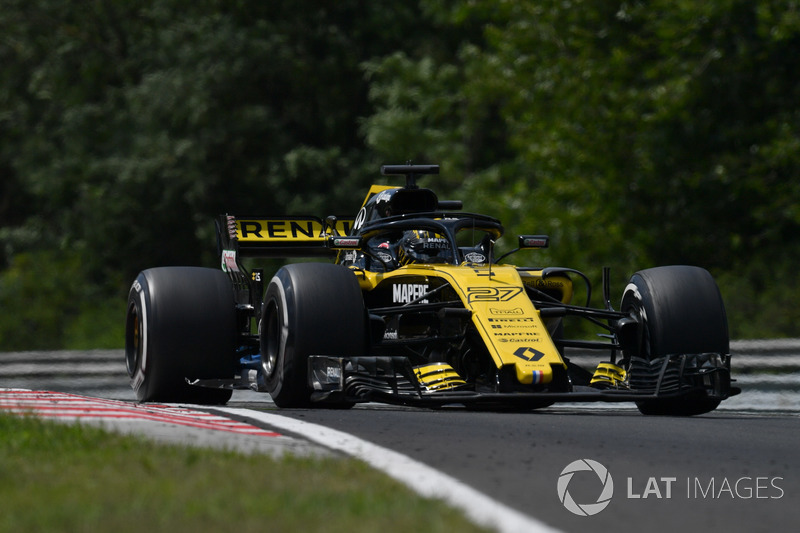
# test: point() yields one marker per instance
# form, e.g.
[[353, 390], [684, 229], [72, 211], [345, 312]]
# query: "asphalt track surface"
[[716, 472], [725, 471]]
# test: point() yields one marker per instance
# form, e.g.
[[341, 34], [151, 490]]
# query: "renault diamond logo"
[[529, 354]]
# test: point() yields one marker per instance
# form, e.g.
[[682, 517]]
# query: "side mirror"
[[344, 243], [533, 241]]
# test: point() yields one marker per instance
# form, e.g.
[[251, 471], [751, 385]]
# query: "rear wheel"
[[681, 312], [181, 323], [309, 309]]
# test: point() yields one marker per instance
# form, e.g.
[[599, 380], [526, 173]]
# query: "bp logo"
[[566, 477]]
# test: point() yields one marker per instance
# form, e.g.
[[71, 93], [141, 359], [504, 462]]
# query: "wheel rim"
[[644, 336], [272, 335], [133, 341], [633, 307]]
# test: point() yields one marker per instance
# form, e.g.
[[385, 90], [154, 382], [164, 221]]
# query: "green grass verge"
[[58, 477]]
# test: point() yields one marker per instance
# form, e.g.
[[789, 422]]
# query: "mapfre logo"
[[408, 292], [586, 470]]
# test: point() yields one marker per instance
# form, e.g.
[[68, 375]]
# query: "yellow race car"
[[416, 309]]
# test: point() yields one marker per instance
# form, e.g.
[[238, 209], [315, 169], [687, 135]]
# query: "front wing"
[[394, 380]]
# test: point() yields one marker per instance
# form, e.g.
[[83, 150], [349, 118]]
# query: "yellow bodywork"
[[609, 375], [438, 376], [375, 189], [511, 327]]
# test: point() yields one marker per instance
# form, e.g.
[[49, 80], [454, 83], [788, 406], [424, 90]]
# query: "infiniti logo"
[[585, 509]]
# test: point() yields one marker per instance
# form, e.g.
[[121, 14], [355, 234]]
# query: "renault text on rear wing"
[[284, 236]]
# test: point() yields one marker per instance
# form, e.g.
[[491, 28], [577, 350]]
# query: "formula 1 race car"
[[415, 309]]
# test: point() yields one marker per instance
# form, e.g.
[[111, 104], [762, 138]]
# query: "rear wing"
[[284, 236]]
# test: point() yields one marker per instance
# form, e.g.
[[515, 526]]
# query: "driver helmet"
[[424, 247]]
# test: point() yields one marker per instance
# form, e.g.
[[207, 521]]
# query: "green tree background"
[[635, 133]]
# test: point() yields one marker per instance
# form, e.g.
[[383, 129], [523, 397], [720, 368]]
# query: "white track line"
[[421, 478]]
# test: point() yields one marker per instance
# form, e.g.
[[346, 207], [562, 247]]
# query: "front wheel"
[[680, 311], [181, 323], [309, 309]]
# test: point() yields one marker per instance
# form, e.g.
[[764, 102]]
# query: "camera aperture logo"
[[590, 466]]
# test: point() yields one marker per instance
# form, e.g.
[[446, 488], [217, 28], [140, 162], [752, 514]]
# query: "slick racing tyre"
[[181, 323], [681, 312], [309, 309]]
